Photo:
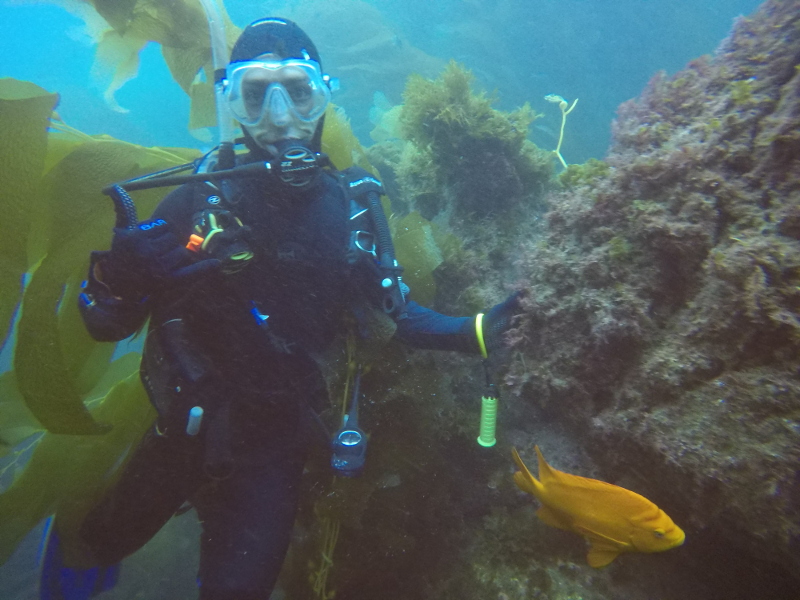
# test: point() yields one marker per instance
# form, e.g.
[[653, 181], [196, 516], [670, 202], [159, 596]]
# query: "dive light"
[[349, 444], [488, 424]]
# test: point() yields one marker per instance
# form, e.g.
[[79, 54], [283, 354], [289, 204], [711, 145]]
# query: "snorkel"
[[219, 56]]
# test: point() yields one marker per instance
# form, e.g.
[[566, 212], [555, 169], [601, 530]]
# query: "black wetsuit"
[[242, 345]]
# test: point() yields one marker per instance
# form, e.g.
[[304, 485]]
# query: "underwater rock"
[[664, 315], [661, 330]]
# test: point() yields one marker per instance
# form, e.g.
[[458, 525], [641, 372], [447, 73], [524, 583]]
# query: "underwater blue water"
[[601, 52]]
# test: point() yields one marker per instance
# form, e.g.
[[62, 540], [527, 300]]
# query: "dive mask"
[[278, 90]]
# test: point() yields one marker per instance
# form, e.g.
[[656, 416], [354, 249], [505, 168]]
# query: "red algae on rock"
[[664, 318]]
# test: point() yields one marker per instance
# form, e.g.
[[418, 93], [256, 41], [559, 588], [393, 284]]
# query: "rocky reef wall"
[[659, 349], [663, 321]]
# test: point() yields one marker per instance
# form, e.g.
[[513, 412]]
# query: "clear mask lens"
[[276, 90]]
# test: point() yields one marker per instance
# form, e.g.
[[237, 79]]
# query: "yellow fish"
[[612, 519]]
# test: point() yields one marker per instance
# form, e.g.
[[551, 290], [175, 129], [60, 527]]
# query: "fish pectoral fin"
[[600, 556], [604, 548], [604, 540], [553, 518]]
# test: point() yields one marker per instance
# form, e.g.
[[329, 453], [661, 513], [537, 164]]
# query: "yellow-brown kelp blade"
[[66, 473], [81, 220], [179, 26], [421, 247], [340, 143], [24, 112], [17, 423]]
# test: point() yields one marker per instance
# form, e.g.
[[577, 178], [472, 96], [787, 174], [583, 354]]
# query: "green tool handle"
[[488, 421]]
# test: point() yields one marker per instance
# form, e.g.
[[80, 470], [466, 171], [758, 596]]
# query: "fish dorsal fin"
[[601, 556], [524, 479], [635, 504], [545, 471]]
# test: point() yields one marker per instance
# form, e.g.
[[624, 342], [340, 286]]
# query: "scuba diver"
[[245, 281]]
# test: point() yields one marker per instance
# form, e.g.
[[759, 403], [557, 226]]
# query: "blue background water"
[[601, 52]]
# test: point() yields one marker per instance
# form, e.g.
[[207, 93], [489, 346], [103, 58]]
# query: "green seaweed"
[[741, 91], [459, 142], [619, 248], [578, 175], [446, 115]]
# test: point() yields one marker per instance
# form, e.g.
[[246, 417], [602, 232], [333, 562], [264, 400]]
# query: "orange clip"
[[195, 243]]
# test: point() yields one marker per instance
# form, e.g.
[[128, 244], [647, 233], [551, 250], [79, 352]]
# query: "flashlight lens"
[[349, 438]]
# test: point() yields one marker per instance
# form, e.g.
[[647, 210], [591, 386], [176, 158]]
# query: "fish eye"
[[659, 533]]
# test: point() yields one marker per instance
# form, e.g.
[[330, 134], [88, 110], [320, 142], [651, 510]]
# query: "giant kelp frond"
[[24, 112], [49, 363], [340, 143], [178, 26], [67, 473], [54, 214]]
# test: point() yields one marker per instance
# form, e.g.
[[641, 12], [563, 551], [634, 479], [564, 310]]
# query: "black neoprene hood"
[[285, 39], [277, 36]]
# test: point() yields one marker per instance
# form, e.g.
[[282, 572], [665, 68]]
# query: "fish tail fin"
[[524, 479]]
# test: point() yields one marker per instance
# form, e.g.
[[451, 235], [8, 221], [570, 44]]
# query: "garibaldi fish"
[[612, 519]]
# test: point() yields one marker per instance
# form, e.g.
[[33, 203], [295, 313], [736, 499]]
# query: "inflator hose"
[[394, 302], [385, 243]]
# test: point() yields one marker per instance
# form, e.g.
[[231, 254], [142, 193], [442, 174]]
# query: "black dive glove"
[[497, 322], [148, 259]]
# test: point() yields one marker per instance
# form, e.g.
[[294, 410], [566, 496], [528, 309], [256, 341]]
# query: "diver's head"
[[275, 86]]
